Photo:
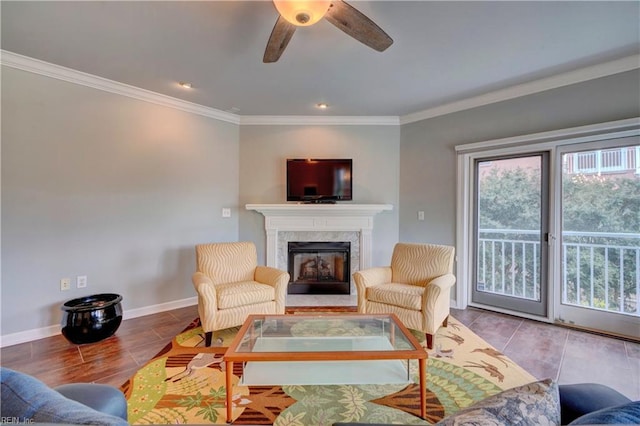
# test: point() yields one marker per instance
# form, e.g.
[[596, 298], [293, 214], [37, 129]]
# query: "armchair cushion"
[[403, 295], [233, 295]]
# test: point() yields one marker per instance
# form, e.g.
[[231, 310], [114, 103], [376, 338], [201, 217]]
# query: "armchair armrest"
[[367, 278], [441, 284], [203, 284], [372, 276], [437, 297], [207, 299], [276, 278], [271, 276]]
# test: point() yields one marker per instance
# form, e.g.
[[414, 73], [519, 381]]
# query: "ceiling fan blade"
[[280, 36], [357, 25]]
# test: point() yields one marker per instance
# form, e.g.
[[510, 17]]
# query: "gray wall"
[[428, 159], [121, 190], [375, 153], [106, 186]]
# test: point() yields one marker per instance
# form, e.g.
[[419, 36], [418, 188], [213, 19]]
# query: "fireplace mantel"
[[319, 217], [299, 209]]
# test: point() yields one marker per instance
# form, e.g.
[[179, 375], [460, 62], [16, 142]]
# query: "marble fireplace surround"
[[319, 222]]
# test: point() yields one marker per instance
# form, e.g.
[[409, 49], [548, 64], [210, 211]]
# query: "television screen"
[[319, 180]]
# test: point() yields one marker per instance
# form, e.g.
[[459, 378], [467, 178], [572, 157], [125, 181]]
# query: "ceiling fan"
[[299, 13]]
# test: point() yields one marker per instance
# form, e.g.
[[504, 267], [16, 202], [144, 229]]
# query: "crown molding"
[[37, 66], [47, 69], [572, 135], [577, 76], [305, 120]]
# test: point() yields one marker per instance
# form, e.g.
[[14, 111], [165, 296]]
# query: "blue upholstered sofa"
[[27, 400]]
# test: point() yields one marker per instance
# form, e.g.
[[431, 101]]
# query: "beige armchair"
[[231, 286], [416, 287]]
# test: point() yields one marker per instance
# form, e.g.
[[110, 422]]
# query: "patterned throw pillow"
[[536, 403]]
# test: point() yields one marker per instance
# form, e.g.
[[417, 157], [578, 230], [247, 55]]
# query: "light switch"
[[420, 215], [81, 281]]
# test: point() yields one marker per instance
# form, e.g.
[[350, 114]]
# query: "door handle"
[[549, 238]]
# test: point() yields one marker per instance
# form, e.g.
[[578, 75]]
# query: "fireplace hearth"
[[319, 267]]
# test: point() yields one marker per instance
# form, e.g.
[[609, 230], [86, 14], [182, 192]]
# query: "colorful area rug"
[[184, 384]]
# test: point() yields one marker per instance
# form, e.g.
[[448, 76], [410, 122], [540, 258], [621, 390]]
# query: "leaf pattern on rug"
[[325, 405], [352, 399], [208, 406]]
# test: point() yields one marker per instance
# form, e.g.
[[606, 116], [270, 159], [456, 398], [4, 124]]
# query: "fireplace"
[[318, 267], [284, 223]]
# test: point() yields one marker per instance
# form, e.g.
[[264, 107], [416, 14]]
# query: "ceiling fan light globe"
[[302, 12]]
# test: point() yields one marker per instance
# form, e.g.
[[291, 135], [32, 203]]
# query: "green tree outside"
[[509, 199]]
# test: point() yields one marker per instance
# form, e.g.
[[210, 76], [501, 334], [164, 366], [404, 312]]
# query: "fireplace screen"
[[319, 267]]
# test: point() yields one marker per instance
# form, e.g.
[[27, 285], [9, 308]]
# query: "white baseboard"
[[53, 330], [162, 307], [28, 335]]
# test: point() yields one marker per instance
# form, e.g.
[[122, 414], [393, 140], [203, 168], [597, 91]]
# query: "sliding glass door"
[[511, 228], [599, 277], [551, 228]]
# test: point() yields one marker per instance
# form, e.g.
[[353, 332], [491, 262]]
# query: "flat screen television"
[[319, 180]]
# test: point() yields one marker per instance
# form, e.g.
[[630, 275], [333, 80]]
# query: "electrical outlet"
[[81, 281], [420, 215], [65, 284], [226, 212]]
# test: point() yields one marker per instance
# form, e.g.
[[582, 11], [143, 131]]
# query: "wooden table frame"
[[418, 352]]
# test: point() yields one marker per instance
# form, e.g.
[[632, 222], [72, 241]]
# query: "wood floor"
[[546, 351]]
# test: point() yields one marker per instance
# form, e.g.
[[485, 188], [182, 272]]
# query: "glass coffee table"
[[324, 349]]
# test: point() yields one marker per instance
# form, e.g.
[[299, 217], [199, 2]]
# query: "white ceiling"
[[443, 52]]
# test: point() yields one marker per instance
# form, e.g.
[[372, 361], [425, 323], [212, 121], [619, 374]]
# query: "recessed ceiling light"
[[322, 105], [186, 85]]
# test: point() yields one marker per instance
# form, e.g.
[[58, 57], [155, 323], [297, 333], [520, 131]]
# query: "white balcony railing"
[[599, 270], [615, 160]]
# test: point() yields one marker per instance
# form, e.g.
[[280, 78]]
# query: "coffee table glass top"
[[343, 333]]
